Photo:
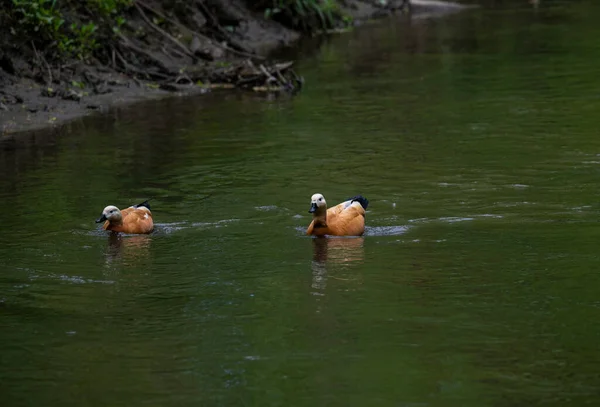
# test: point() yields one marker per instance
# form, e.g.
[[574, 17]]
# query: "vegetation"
[[72, 27], [305, 15], [73, 47], [59, 24], [79, 28]]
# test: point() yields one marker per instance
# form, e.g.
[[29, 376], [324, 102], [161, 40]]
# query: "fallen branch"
[[277, 78], [270, 78], [245, 81], [281, 78]]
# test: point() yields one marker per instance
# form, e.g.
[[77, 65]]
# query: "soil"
[[206, 45]]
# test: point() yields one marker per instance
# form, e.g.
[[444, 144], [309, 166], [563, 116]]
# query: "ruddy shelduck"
[[136, 219], [345, 219]]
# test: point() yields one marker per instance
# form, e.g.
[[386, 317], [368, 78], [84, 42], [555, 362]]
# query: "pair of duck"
[[344, 219]]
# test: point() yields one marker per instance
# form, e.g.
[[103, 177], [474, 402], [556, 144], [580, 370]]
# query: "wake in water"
[[455, 219], [369, 231], [385, 230]]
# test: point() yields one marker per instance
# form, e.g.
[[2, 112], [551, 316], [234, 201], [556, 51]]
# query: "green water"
[[474, 136]]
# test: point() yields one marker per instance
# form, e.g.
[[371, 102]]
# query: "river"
[[475, 138]]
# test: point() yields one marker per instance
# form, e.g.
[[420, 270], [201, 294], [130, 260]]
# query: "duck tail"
[[364, 202], [145, 204]]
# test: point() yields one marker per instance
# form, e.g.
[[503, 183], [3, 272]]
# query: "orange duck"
[[136, 219], [345, 219]]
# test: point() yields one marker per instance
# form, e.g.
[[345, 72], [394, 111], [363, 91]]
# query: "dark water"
[[475, 137]]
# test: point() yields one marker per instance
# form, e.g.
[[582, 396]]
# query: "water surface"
[[474, 136]]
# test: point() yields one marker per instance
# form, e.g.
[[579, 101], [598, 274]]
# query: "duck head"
[[110, 213], [317, 203]]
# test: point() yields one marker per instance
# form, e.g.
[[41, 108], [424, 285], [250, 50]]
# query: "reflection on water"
[[338, 250], [127, 248], [334, 251]]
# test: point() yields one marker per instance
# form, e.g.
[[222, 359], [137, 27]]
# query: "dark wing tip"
[[144, 204], [364, 202]]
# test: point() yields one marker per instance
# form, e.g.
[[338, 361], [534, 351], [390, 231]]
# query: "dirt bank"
[[162, 50]]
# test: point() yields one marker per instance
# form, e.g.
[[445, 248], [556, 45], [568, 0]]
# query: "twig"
[[247, 80], [128, 67], [283, 66], [283, 80], [42, 59], [161, 15], [299, 80], [207, 12], [269, 76], [164, 33], [173, 51], [70, 64], [129, 44], [181, 26], [183, 75]]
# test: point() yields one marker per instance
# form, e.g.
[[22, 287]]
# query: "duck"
[[136, 219], [344, 219]]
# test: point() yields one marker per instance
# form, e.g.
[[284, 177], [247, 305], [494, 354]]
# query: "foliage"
[[110, 7], [54, 24], [306, 15], [81, 43], [39, 16]]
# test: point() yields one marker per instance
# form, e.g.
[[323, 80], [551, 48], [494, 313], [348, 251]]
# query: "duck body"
[[344, 219], [136, 219]]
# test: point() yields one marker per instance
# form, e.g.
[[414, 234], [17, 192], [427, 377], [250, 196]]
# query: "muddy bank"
[[163, 51]]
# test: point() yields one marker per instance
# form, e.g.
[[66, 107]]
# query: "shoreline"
[[27, 105]]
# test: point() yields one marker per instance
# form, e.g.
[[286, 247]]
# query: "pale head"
[[317, 201], [110, 213]]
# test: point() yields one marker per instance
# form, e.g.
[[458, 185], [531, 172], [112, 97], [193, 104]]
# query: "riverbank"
[[161, 53]]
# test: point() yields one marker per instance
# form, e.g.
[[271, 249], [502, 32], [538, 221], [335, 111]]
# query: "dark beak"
[[101, 219], [313, 208]]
